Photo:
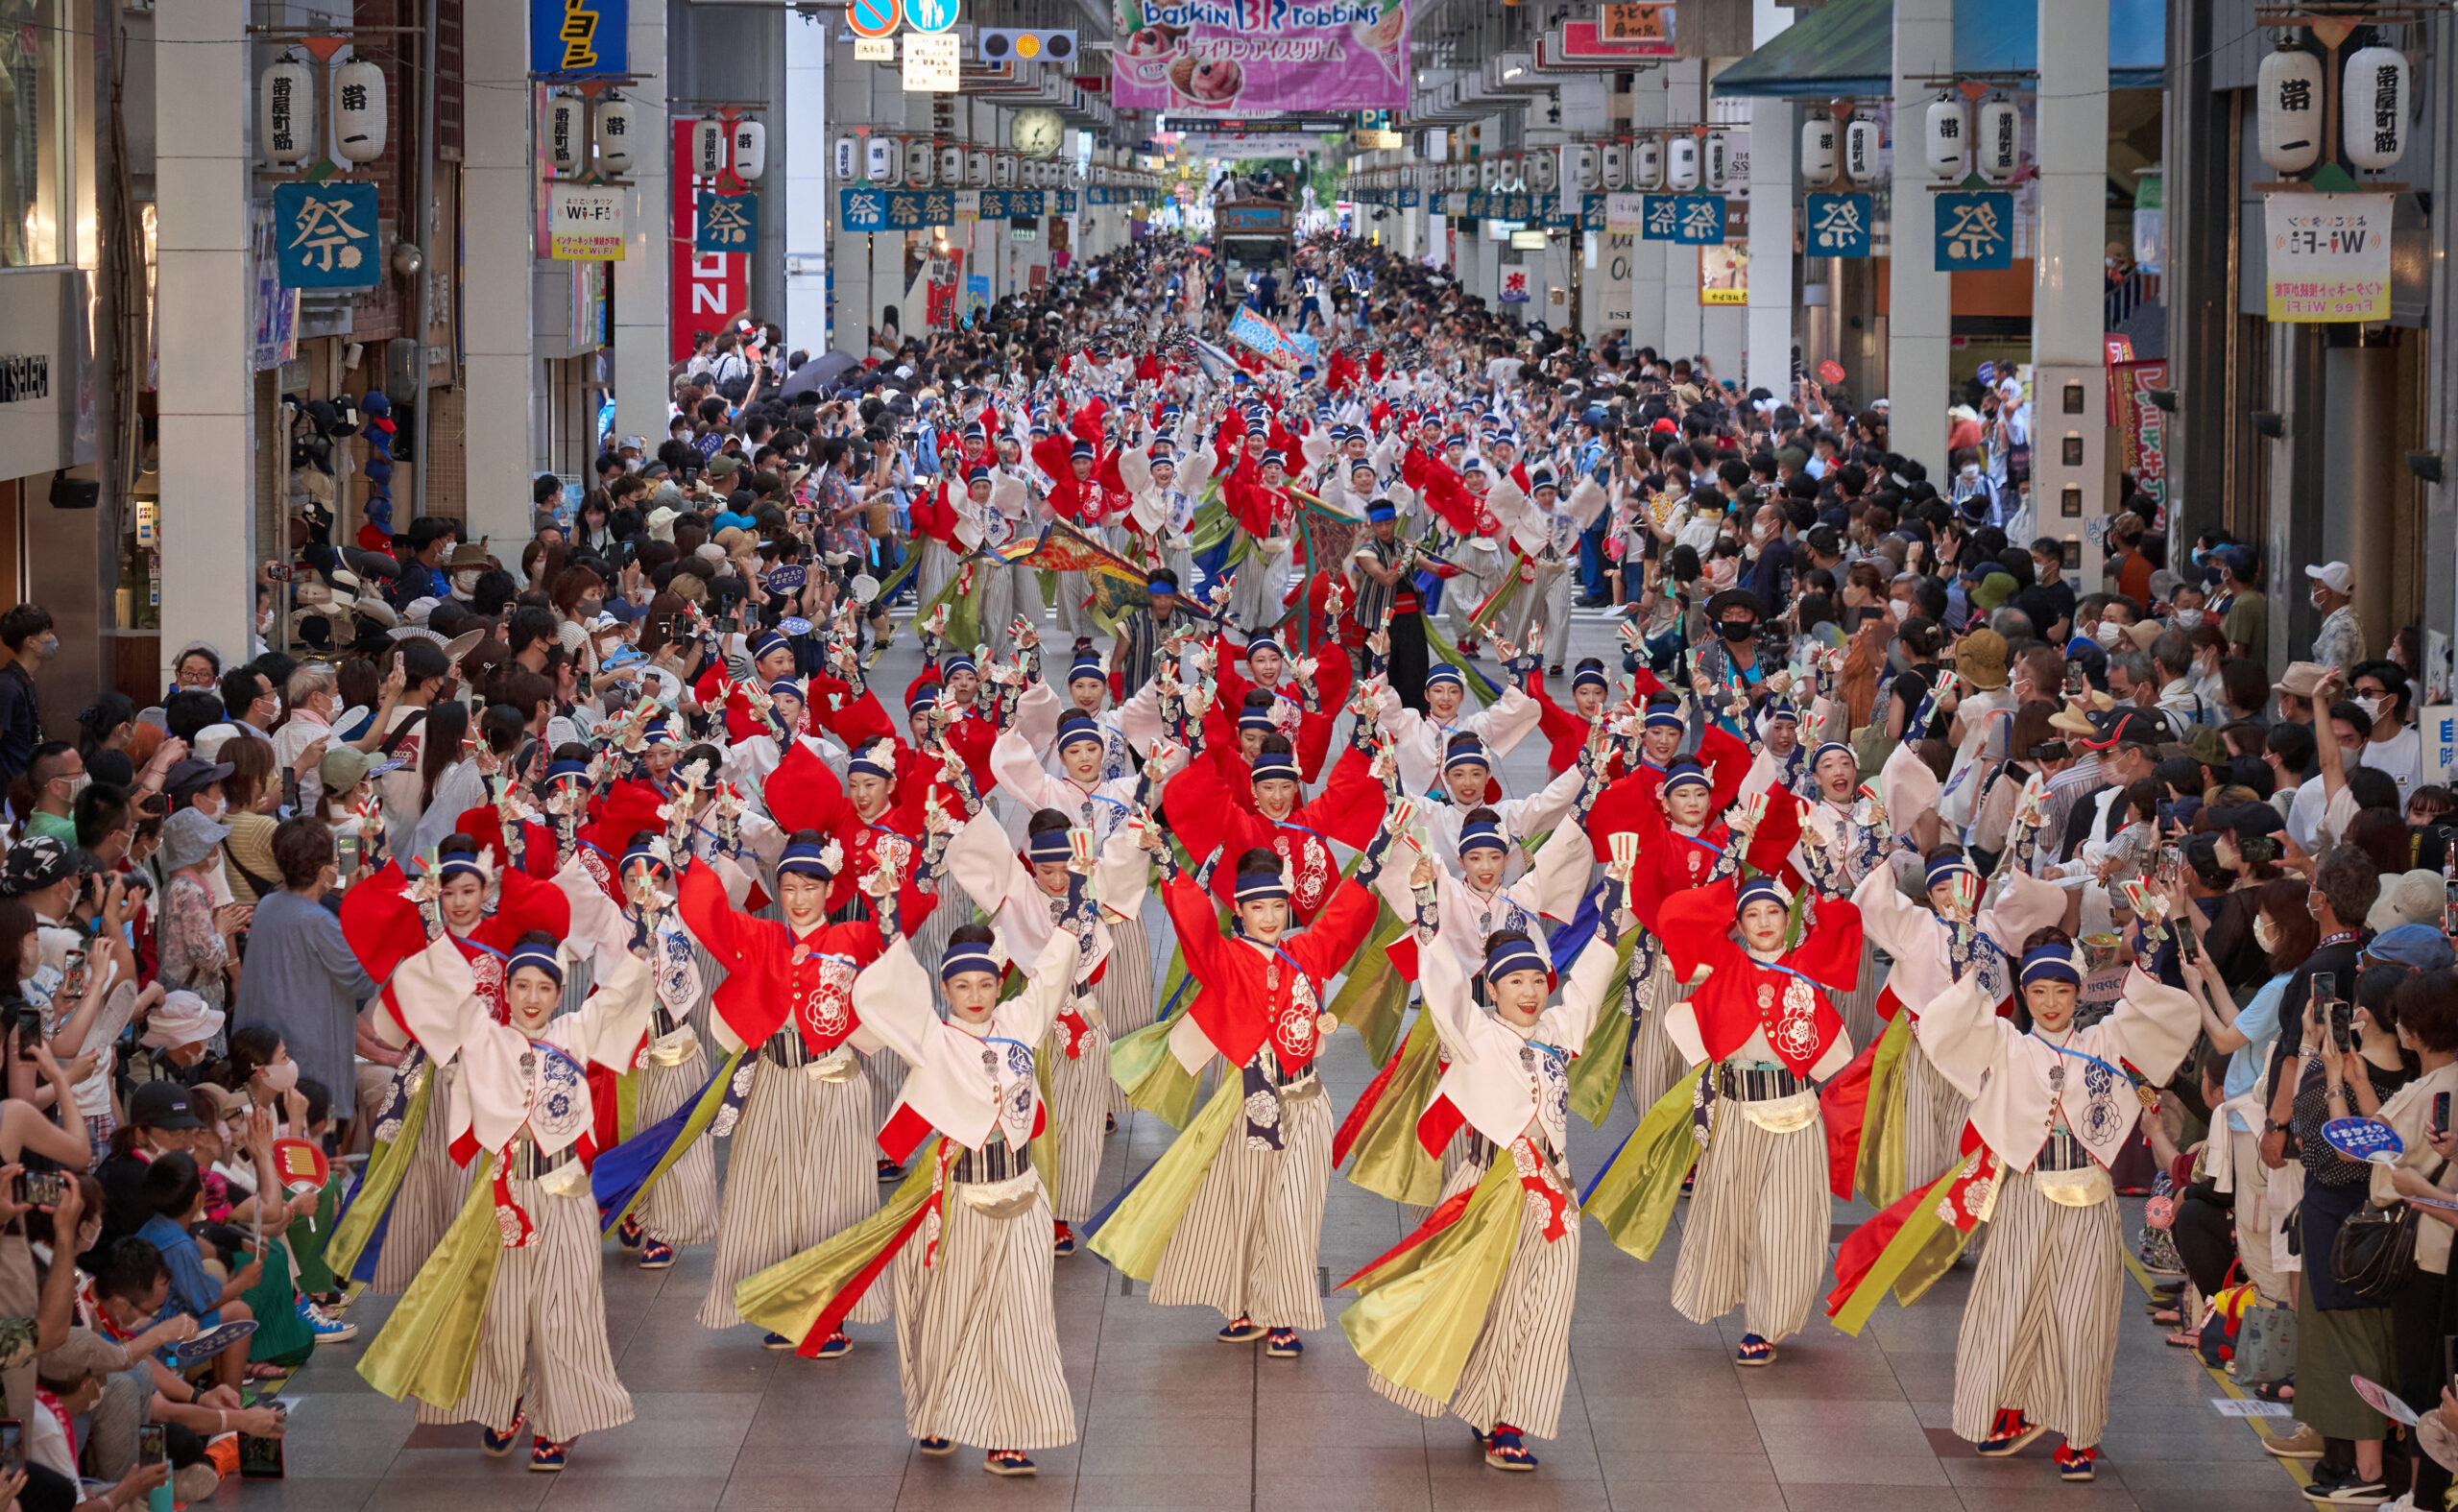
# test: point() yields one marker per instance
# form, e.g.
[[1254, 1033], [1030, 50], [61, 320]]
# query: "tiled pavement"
[[1656, 1415]]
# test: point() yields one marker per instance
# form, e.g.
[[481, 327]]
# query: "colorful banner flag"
[[1190, 57], [1277, 347]]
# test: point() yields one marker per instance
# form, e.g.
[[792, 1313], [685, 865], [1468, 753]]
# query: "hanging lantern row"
[[1678, 159], [573, 130], [740, 144], [2374, 99], [287, 124], [1953, 144], [922, 162]]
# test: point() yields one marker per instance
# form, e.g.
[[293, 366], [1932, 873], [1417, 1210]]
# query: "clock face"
[[1036, 133]]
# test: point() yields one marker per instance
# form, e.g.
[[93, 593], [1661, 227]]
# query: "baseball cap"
[[192, 774], [34, 863], [2334, 576], [2124, 726], [162, 1105], [2419, 946]]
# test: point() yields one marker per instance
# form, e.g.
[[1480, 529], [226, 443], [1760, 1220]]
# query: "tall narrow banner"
[[1248, 56], [2142, 425], [705, 287]]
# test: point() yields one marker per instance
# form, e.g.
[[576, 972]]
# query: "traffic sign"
[[931, 15], [875, 18]]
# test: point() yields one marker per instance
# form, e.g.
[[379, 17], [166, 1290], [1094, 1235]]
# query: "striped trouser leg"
[[1517, 1369], [1857, 1008], [542, 1340], [1125, 994], [682, 1206], [2040, 1332], [976, 1331], [1248, 1242], [430, 1195], [1933, 1118], [1756, 1235], [800, 1171], [1079, 1105], [1657, 1063]]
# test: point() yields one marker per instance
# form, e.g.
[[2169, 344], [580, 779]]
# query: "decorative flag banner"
[[585, 223], [1836, 225], [1699, 220], [727, 223], [1975, 230], [580, 38], [2328, 256], [325, 235], [1114, 584], [1515, 285], [1276, 347], [1256, 56], [2141, 426]]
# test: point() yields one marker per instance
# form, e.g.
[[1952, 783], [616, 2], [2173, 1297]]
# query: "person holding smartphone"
[[2426, 1311]]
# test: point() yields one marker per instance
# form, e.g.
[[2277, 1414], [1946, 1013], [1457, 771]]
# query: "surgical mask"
[[466, 579], [1737, 630], [2197, 555], [2107, 630], [2372, 706], [1971, 470], [1899, 607], [2187, 618], [279, 1077], [77, 784], [2265, 933]]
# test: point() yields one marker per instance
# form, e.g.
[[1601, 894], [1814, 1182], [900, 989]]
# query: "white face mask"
[[2372, 706], [466, 579], [2187, 618], [2107, 632], [2265, 933], [1900, 609]]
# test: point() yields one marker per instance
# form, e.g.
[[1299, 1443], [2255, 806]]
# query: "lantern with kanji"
[[1647, 163], [566, 146], [617, 123], [2373, 107], [2287, 94], [1947, 140], [358, 111], [1861, 143], [286, 113], [1681, 163], [1818, 151], [1998, 147], [750, 147]]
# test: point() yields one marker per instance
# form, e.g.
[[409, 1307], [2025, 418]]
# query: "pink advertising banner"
[[1187, 57]]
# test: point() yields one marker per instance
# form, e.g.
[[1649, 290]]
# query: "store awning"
[[1848, 48]]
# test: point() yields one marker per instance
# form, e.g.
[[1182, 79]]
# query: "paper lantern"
[[1946, 141], [2373, 107], [1003, 171], [750, 150], [1583, 165], [1716, 160], [358, 111], [615, 128], [709, 149], [564, 144], [1681, 164], [2287, 95], [286, 113], [1615, 165], [1543, 176], [1818, 151], [1998, 145], [883, 159], [920, 162], [977, 167], [1647, 163], [849, 157], [1861, 143]]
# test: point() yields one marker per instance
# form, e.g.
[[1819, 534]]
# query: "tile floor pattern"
[[1657, 1418]]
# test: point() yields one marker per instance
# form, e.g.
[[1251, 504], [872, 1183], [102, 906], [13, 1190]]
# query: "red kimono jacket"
[[1252, 995], [773, 976], [1789, 1000], [1631, 801], [1349, 811], [804, 794]]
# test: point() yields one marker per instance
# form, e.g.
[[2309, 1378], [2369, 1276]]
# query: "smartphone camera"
[[13, 1447], [153, 1445], [2343, 1025]]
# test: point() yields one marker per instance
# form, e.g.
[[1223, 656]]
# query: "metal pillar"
[[1920, 299], [2071, 446]]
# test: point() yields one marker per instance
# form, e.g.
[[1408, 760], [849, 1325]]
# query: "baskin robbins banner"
[[1250, 56]]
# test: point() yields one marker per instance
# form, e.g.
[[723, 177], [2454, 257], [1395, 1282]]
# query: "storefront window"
[[35, 139]]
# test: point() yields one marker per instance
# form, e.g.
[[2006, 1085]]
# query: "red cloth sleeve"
[[1349, 809]]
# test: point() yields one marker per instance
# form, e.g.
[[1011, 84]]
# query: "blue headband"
[[976, 474], [969, 957], [1589, 677], [458, 862], [540, 956], [1758, 888], [1445, 673], [804, 860], [1259, 887], [656, 732], [959, 663], [1380, 510], [1087, 668], [922, 697], [784, 685], [1051, 845], [1779, 710], [867, 761], [566, 771], [1686, 775], [1082, 448], [1662, 718], [2050, 963], [1076, 728], [1270, 764], [1482, 833], [768, 640], [1257, 717], [1263, 642], [1946, 866], [1514, 955], [642, 853], [1827, 746], [1468, 756], [1273, 458]]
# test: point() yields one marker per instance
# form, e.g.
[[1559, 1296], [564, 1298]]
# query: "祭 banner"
[[1261, 55]]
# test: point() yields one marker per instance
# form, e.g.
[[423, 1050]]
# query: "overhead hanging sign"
[[326, 235], [1589, 41], [1215, 56], [1836, 225], [2328, 256], [726, 223], [1975, 230], [704, 288], [580, 38], [933, 63], [585, 223]]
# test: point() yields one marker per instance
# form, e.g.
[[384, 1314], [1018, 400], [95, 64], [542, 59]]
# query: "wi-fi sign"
[[1000, 44]]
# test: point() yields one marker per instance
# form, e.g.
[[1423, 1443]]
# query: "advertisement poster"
[[2141, 426], [2330, 256], [1724, 273], [1246, 55], [705, 287], [584, 223]]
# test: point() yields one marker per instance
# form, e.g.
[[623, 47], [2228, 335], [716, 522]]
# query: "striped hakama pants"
[[1248, 1243], [430, 1193], [542, 1342], [801, 1170], [1125, 994], [1934, 1115], [1756, 1235], [1521, 1361], [681, 1207], [2040, 1333], [976, 1337], [1079, 1106], [1657, 1063], [1858, 1007]]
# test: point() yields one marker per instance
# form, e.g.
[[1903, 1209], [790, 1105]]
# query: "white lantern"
[[1616, 165], [1947, 144], [1583, 165], [1544, 178], [750, 150], [1681, 163], [1998, 147], [2373, 107], [616, 123], [1716, 160], [564, 144], [1818, 151], [849, 157], [286, 113], [1647, 163], [977, 167], [921, 157], [709, 149], [358, 111], [1003, 171], [952, 164], [1861, 143], [881, 159], [2287, 94]]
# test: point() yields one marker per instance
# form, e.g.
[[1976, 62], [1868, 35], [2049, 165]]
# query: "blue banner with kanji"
[[1836, 225], [324, 236], [1975, 229], [727, 223]]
